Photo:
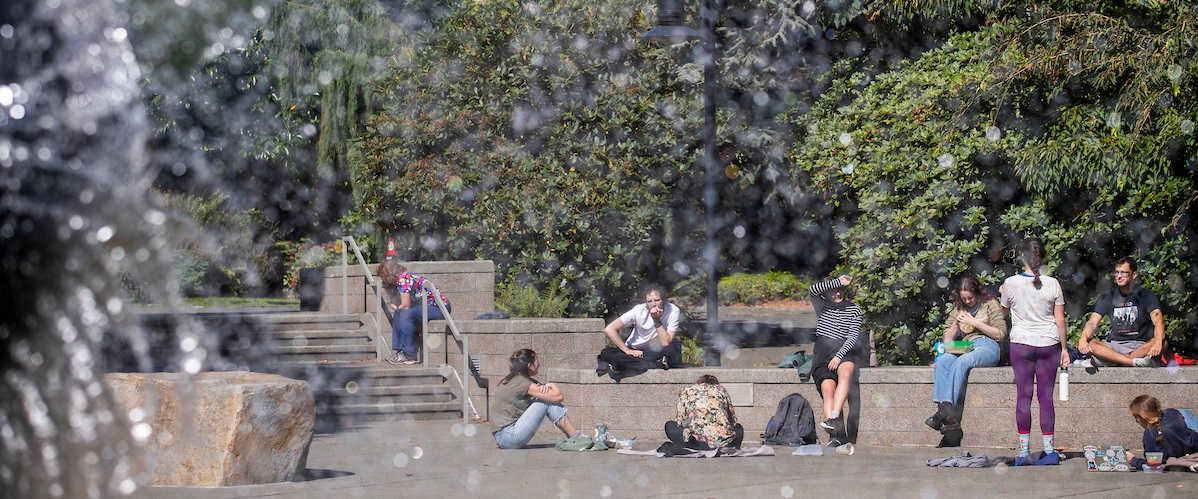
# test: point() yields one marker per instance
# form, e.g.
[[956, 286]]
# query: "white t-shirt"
[[1032, 320], [643, 330]]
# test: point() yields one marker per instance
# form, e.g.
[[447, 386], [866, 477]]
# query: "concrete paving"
[[445, 459]]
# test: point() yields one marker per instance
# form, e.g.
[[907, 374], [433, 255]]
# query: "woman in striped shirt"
[[836, 354]]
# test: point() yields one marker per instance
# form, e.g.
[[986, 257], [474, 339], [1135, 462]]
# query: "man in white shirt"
[[650, 344]]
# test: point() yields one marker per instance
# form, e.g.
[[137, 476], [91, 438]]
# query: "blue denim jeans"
[[403, 327], [952, 371], [517, 434]]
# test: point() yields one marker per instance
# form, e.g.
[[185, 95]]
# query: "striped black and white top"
[[840, 321]]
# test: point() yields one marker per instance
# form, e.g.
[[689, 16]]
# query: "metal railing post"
[[345, 274]]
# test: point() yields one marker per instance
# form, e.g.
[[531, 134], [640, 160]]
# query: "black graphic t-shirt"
[[1129, 314]]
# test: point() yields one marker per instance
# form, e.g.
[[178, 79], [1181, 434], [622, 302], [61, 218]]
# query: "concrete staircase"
[[335, 353]]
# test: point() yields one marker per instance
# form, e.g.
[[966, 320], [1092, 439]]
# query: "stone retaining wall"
[[570, 343], [895, 400], [469, 286]]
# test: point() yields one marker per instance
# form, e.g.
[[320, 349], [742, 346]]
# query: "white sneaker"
[[846, 449], [1142, 362]]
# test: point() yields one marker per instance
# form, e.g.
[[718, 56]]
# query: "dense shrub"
[[753, 288], [525, 300]]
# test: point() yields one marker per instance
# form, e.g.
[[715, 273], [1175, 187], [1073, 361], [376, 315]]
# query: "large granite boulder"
[[219, 428]]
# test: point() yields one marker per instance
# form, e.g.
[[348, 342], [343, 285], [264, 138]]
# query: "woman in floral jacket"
[[705, 417]]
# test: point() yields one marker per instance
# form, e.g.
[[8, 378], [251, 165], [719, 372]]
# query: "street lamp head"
[[671, 24]]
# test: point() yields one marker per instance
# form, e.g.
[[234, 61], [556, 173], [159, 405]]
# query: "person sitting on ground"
[[836, 353], [976, 317], [407, 313], [650, 344], [1137, 332], [1165, 431], [706, 419], [521, 402]]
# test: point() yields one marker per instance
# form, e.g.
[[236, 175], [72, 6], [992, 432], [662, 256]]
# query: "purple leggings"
[[1032, 363]]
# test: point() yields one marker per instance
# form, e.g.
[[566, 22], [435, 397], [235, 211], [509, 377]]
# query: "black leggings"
[[674, 433]]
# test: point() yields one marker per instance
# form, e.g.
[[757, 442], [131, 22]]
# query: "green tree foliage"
[[1069, 121], [542, 135], [323, 60]]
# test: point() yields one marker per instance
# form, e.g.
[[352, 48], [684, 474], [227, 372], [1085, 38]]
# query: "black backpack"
[[793, 424]]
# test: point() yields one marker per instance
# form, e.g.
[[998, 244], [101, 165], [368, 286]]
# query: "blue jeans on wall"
[[517, 434], [404, 324], [952, 371]]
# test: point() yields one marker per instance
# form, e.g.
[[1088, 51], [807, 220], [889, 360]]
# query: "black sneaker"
[[663, 364], [602, 369]]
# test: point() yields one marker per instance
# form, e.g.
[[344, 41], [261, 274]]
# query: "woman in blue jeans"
[[522, 402], [407, 313], [978, 317]]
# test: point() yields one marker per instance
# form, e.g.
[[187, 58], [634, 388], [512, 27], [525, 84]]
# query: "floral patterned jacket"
[[414, 284], [705, 413]]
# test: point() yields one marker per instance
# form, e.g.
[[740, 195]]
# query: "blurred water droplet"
[[605, 491], [351, 387], [946, 160], [1075, 66], [739, 231], [434, 341], [471, 430], [141, 431], [417, 452], [456, 430], [846, 138], [1113, 119], [1174, 72], [942, 282], [400, 460], [1187, 126], [787, 491], [848, 169]]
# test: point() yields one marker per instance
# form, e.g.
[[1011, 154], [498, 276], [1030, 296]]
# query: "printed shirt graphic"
[[1130, 320], [705, 412], [414, 285]]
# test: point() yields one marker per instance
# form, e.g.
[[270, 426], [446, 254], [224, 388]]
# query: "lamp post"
[[671, 26]]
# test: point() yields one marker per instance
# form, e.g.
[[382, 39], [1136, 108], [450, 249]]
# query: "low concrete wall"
[[569, 343], [469, 286], [895, 401]]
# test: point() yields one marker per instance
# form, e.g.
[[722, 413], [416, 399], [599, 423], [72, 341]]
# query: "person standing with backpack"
[[838, 328]]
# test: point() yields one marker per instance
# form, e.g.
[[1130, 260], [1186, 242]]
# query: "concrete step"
[[404, 394], [311, 321], [422, 411], [325, 337], [363, 352]]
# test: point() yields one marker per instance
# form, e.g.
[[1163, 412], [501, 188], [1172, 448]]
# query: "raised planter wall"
[[895, 401], [469, 286], [571, 343]]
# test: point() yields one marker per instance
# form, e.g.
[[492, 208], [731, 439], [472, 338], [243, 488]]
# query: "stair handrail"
[[380, 347], [463, 344]]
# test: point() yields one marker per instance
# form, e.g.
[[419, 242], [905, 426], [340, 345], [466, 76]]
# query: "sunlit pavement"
[[444, 459]]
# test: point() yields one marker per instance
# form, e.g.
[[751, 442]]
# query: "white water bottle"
[[1064, 384]]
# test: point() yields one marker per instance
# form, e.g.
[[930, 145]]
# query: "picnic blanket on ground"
[[670, 450], [965, 461], [1189, 462]]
